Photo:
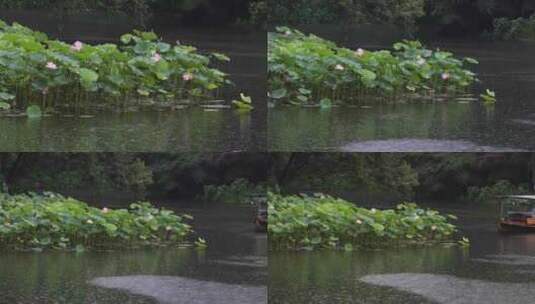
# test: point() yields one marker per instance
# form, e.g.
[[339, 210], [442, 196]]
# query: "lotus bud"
[[187, 77], [77, 46], [51, 65], [156, 57]]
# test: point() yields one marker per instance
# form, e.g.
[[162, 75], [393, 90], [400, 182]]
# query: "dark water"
[[495, 269], [427, 126], [233, 267], [170, 131], [181, 130]]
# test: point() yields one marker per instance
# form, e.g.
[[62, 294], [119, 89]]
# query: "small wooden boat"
[[517, 213], [261, 216]]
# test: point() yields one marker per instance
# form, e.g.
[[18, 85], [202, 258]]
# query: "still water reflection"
[[169, 131], [496, 269], [442, 126], [233, 267]]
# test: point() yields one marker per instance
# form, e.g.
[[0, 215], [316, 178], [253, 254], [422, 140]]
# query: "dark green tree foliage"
[[155, 175], [434, 176], [200, 11], [403, 13], [375, 173], [59, 172], [447, 17]]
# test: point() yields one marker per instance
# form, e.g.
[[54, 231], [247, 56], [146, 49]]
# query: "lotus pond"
[[194, 124], [306, 69], [232, 269], [51, 221], [40, 74], [495, 269], [445, 124], [306, 223]]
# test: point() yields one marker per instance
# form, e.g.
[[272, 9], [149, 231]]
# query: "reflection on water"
[[182, 130], [176, 290], [496, 267], [446, 125], [235, 260]]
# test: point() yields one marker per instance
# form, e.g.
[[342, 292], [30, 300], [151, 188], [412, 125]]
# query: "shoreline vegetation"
[[238, 192], [32, 222], [308, 70], [39, 75], [324, 222]]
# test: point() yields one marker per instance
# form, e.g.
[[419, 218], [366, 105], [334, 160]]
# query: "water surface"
[[167, 131]]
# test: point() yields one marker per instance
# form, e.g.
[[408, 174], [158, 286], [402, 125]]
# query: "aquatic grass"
[[320, 221], [35, 70], [51, 221], [306, 69]]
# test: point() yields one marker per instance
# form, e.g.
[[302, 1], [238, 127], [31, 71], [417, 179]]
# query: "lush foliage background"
[[398, 176], [447, 17], [186, 11], [173, 176]]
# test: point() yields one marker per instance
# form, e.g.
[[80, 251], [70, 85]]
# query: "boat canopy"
[[525, 197]]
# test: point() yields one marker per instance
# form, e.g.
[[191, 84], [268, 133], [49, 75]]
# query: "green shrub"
[[514, 29], [49, 73], [326, 222], [310, 70], [237, 192], [258, 11], [51, 221], [401, 13], [487, 194]]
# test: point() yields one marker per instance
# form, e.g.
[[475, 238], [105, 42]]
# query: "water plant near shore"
[[239, 191], [38, 71], [306, 69], [51, 221], [320, 221]]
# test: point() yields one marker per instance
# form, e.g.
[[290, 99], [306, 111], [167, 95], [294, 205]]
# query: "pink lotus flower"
[[187, 77], [445, 76], [156, 57], [360, 52], [339, 67], [77, 46], [105, 210], [51, 65]]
